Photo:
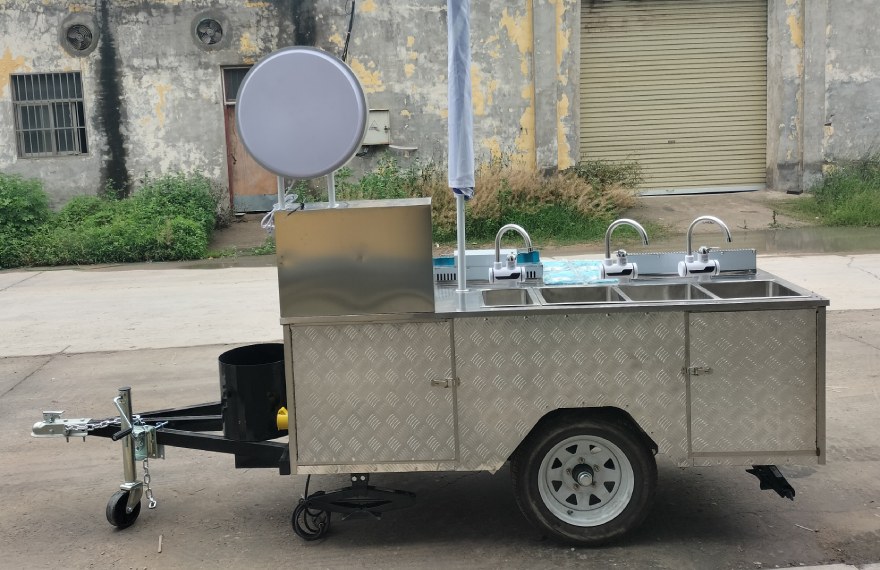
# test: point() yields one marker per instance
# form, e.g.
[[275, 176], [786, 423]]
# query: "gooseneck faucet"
[[620, 267], [510, 270], [701, 264]]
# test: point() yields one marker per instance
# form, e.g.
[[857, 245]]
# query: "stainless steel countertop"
[[449, 303]]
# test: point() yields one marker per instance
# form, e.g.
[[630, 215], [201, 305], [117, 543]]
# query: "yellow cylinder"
[[281, 419]]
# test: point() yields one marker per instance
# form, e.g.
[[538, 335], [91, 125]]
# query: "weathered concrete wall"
[[823, 87], [785, 68], [154, 98], [522, 72], [28, 43], [852, 80]]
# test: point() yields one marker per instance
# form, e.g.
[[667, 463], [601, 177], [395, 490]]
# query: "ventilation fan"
[[209, 31], [79, 37]]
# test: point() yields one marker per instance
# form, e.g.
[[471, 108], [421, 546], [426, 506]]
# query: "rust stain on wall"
[[246, 45], [493, 145], [482, 94], [520, 31], [795, 27], [337, 40], [9, 64], [563, 148], [162, 89], [368, 7], [368, 75]]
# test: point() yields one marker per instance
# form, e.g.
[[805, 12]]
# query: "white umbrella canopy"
[[461, 120]]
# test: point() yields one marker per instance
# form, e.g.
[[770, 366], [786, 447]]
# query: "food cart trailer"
[[387, 367], [393, 361]]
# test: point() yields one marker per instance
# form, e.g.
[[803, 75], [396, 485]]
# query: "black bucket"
[[252, 389]]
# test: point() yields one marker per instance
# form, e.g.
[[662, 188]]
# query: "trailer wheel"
[[117, 510], [584, 481]]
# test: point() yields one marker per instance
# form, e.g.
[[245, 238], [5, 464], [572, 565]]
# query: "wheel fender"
[[605, 413]]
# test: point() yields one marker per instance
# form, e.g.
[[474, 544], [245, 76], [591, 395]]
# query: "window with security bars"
[[232, 80], [49, 115]]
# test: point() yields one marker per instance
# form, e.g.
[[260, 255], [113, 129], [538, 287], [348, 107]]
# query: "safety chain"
[[152, 502], [90, 427]]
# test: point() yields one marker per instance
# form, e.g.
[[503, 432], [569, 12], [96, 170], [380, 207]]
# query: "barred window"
[[232, 80], [49, 114]]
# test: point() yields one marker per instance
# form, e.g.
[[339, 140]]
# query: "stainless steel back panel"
[[760, 393], [516, 369], [373, 393], [666, 263], [371, 257]]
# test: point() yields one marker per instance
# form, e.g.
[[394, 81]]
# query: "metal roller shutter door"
[[680, 86]]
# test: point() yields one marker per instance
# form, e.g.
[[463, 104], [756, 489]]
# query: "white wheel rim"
[[586, 459]]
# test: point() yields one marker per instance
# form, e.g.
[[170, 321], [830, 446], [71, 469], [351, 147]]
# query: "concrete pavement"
[[88, 310], [71, 337]]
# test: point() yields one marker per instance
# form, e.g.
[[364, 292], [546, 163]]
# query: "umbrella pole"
[[461, 270]]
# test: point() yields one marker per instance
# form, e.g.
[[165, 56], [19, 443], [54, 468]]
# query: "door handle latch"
[[698, 370], [445, 382]]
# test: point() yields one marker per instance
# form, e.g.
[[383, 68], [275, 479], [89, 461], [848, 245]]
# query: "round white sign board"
[[301, 112]]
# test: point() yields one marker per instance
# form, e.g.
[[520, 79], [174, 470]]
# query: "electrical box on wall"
[[378, 127]]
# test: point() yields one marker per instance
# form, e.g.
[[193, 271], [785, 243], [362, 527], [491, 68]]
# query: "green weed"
[[24, 205], [848, 195], [168, 218]]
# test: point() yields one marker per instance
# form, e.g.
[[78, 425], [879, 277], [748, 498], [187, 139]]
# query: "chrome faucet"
[[620, 267], [701, 264], [510, 270]]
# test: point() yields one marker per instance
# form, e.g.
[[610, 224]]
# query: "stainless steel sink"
[[579, 295], [748, 289], [506, 298], [664, 292]]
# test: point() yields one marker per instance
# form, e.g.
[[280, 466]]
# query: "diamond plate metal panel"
[[761, 393], [757, 459], [514, 370], [364, 393]]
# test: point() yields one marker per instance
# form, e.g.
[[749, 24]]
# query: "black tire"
[[117, 510], [620, 491], [309, 524]]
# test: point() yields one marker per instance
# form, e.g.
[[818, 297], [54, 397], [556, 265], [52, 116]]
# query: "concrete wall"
[[154, 99], [823, 87]]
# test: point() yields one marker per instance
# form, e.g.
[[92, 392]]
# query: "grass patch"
[[848, 195], [167, 218], [573, 205]]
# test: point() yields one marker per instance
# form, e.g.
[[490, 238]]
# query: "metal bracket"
[[772, 479], [146, 444], [446, 382]]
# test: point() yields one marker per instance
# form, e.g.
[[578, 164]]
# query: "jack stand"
[[124, 505], [311, 518]]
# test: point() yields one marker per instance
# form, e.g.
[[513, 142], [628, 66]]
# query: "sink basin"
[[749, 289], [506, 298], [664, 292], [577, 295]]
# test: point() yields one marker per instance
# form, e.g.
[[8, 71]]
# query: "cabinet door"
[[753, 381], [373, 393]]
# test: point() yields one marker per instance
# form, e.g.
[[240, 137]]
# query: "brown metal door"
[[252, 187]]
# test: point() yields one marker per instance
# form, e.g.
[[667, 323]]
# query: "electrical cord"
[[290, 200], [348, 34]]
